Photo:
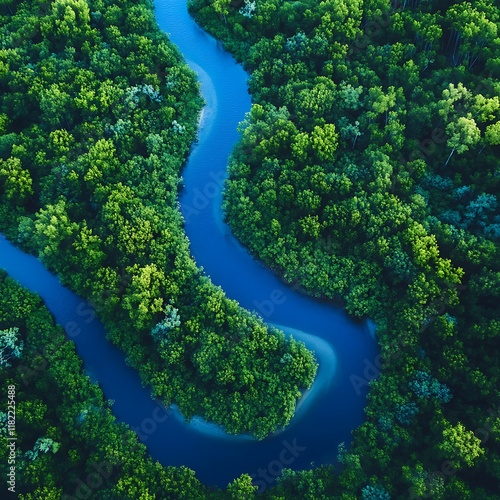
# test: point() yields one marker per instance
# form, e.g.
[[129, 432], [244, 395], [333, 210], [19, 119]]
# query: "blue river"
[[327, 413]]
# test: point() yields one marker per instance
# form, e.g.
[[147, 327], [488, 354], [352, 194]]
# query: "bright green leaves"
[[375, 217], [68, 20], [221, 7], [62, 142], [492, 134], [462, 135], [51, 233], [208, 358], [241, 488], [55, 105], [310, 226], [126, 221], [64, 427], [460, 446], [453, 99], [11, 346], [102, 162], [381, 102], [140, 18], [311, 105], [349, 95], [15, 181], [300, 146], [476, 30], [144, 294], [324, 141]]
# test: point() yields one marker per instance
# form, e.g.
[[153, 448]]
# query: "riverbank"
[[325, 377]]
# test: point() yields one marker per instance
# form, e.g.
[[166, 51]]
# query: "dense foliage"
[[69, 444], [97, 114], [368, 172]]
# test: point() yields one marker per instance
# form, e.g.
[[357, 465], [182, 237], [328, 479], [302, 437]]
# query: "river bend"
[[328, 413]]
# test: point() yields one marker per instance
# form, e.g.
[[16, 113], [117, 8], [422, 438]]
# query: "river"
[[328, 413]]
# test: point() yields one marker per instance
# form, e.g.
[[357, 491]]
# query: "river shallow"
[[328, 413]]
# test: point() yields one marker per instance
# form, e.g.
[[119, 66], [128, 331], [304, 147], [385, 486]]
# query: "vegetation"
[[69, 444], [367, 172], [97, 114]]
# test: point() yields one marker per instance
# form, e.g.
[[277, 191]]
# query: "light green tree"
[[460, 446], [17, 183], [492, 134], [462, 135]]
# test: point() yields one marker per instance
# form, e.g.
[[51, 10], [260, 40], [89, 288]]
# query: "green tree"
[[462, 135], [241, 488], [461, 446], [11, 346], [324, 141], [17, 182]]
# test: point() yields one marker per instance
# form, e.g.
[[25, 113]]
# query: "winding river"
[[327, 413]]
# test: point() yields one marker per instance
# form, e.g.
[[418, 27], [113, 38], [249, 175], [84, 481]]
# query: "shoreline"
[[327, 361]]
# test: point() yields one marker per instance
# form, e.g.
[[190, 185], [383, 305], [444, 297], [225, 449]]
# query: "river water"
[[328, 412]]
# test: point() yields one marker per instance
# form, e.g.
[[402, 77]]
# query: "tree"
[[68, 21], [222, 8], [17, 183], [462, 135], [171, 321], [453, 99], [51, 232], [474, 31], [101, 161], [381, 102], [460, 446], [42, 445], [242, 488], [374, 493], [55, 105], [492, 134], [11, 346], [349, 131], [143, 297]]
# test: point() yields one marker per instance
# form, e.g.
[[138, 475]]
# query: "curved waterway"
[[327, 413]]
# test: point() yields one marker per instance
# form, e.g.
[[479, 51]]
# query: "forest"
[[69, 444], [368, 172], [97, 115]]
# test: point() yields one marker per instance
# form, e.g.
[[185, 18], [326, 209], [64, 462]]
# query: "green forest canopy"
[[368, 172], [97, 115]]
